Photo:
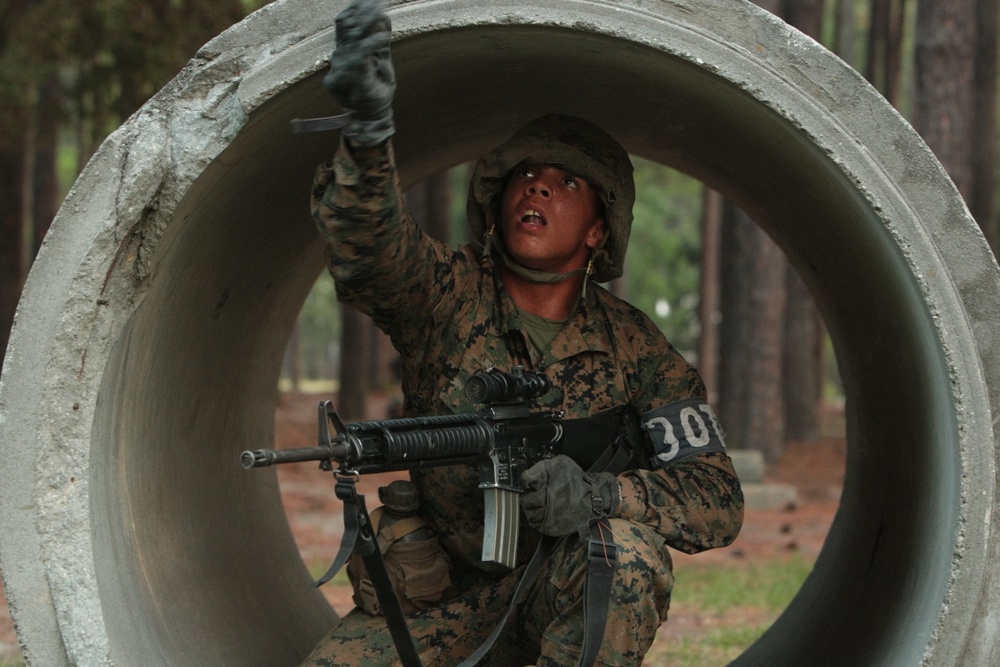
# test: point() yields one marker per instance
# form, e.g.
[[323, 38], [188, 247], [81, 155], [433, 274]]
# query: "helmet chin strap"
[[537, 277], [532, 276]]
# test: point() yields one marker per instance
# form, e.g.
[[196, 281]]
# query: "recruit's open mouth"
[[533, 217]]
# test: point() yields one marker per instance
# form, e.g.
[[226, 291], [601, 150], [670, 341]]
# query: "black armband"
[[681, 430]]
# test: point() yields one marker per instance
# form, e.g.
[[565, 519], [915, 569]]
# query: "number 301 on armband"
[[682, 430]]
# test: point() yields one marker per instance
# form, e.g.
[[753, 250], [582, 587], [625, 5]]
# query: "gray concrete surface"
[[147, 345]]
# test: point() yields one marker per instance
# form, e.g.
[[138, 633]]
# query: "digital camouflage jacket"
[[448, 316]]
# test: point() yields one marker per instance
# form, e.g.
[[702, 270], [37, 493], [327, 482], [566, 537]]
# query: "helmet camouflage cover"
[[578, 147]]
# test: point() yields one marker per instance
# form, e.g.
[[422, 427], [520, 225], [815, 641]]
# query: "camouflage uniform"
[[449, 316]]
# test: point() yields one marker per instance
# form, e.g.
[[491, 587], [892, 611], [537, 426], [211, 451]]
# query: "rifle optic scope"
[[496, 386]]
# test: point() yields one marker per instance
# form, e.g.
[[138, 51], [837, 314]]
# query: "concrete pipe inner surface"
[[147, 345]]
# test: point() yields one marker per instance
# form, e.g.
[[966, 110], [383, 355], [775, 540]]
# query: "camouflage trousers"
[[548, 628]]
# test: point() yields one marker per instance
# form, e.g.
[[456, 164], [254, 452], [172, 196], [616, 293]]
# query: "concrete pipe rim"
[[170, 273]]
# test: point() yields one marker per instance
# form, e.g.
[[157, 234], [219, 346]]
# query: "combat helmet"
[[579, 147]]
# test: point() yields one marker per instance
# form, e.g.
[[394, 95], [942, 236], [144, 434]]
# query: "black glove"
[[361, 76], [561, 497]]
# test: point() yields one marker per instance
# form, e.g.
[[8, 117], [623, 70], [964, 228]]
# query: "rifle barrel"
[[265, 457]]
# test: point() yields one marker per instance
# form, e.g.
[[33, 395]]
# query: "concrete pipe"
[[147, 345]]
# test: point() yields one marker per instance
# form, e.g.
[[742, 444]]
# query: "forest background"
[[721, 290]]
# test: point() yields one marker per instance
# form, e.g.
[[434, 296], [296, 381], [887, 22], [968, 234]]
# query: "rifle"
[[503, 440]]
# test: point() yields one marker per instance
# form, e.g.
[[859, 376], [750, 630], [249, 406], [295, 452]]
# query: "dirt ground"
[[815, 469]]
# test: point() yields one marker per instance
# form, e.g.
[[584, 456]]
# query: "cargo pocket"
[[423, 574], [418, 568]]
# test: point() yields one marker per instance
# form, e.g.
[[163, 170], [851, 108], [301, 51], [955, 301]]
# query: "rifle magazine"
[[502, 526]]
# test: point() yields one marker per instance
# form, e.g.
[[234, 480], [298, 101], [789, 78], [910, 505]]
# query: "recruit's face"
[[550, 219]]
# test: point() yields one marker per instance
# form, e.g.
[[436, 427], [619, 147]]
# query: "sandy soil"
[[816, 470]]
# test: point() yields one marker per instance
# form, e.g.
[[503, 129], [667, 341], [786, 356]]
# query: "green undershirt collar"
[[541, 331]]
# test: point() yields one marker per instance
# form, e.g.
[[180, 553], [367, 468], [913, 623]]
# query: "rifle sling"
[[530, 573], [357, 524], [602, 558], [354, 514]]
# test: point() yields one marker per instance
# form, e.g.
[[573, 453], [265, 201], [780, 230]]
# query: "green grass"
[[719, 611], [719, 647], [769, 585]]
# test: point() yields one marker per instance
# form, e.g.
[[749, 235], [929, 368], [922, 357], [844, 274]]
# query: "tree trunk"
[[773, 6], [27, 182], [945, 76], [45, 194], [709, 307], [753, 305], [805, 15], [12, 267], [877, 45], [12, 130], [386, 370], [734, 328], [766, 423], [845, 33], [801, 363], [354, 364], [983, 201], [293, 358], [883, 68], [752, 299], [759, 321]]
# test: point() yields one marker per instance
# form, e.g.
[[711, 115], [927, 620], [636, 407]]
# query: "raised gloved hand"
[[361, 76], [561, 497]]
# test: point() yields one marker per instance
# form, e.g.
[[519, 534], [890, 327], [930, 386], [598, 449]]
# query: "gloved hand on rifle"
[[361, 76], [561, 497]]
